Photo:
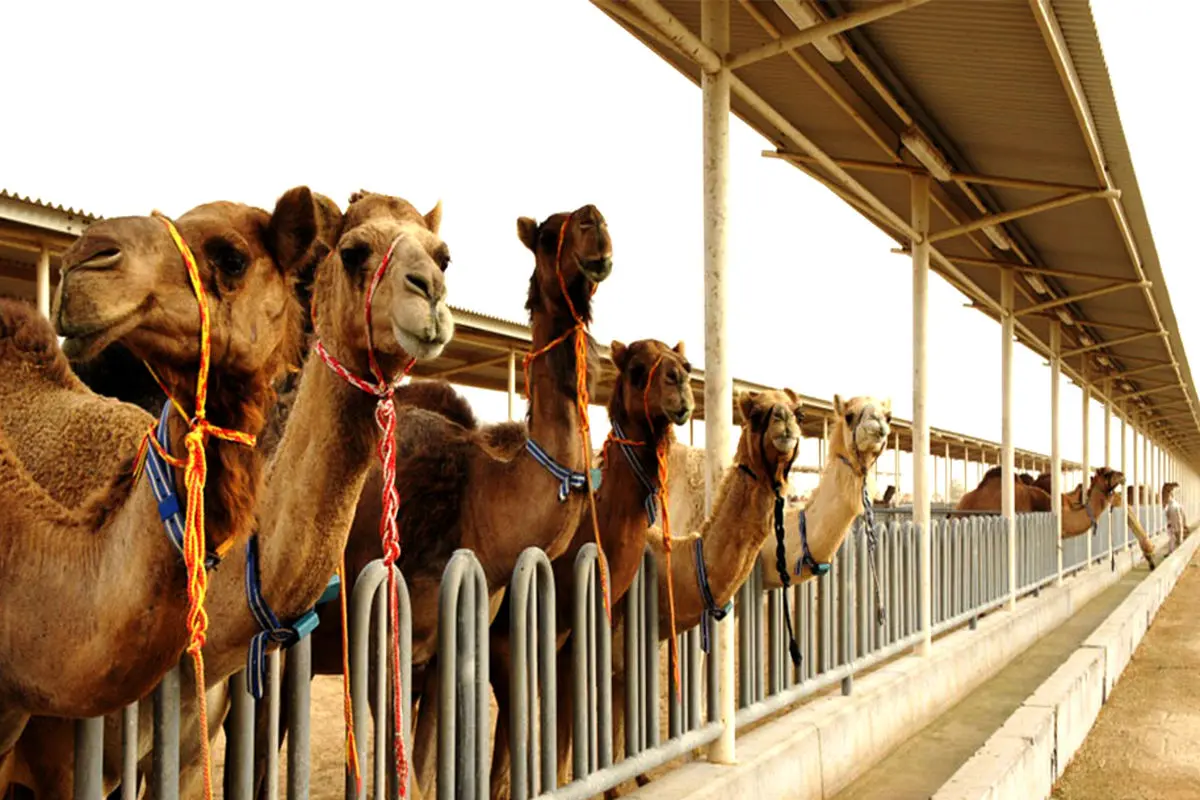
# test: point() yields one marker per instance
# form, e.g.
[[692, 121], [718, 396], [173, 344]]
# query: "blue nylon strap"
[[711, 611], [162, 482], [272, 630], [568, 481], [651, 501], [806, 557]]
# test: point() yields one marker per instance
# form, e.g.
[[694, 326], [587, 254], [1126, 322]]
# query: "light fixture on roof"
[[1065, 317], [1085, 340], [997, 236], [1035, 283], [804, 17], [1127, 386], [925, 152], [1104, 361]]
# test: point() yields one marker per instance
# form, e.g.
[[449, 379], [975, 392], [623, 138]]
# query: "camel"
[[483, 488], [124, 280], [814, 534], [728, 539], [889, 499], [652, 392], [986, 496], [322, 460]]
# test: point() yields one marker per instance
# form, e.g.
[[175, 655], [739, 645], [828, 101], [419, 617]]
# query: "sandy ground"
[[1146, 743]]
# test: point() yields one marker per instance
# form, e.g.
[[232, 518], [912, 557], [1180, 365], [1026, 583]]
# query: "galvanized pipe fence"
[[835, 624]]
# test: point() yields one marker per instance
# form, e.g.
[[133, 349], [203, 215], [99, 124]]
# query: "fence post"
[[463, 618], [533, 664]]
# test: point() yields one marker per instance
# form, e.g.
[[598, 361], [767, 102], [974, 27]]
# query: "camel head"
[[1106, 481], [410, 317], [124, 281], [574, 251], [653, 384], [862, 428], [770, 438]]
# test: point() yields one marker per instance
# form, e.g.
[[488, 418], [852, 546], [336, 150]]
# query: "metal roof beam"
[[1147, 392], [966, 177], [1119, 376], [1020, 213], [1137, 337], [1028, 268], [1075, 298], [822, 31], [487, 362]]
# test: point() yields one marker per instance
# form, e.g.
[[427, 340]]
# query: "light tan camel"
[[652, 392], [68, 453], [859, 435], [322, 460]]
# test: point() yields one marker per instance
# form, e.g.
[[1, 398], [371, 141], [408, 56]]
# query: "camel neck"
[[733, 535], [553, 415], [835, 504]]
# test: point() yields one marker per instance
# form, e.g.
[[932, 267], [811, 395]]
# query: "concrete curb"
[[1024, 758], [824, 745]]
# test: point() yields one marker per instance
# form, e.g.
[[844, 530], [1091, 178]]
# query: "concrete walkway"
[[921, 765], [1146, 742]]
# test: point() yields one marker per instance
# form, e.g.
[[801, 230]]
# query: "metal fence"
[[618, 682]]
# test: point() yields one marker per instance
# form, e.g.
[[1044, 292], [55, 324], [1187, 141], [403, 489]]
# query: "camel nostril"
[[419, 285], [105, 259]]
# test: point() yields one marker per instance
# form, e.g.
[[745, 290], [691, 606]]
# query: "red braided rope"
[[389, 529]]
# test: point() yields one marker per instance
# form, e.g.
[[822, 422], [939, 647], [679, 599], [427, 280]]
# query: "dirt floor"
[[1146, 743]]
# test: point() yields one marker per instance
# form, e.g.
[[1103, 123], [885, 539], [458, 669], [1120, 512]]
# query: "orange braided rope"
[[663, 455], [351, 754], [581, 403], [348, 702], [194, 478]]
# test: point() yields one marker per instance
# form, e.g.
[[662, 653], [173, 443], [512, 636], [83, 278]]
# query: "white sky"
[[529, 107]]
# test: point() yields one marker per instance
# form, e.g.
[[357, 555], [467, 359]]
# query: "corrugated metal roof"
[[39, 203], [990, 85]]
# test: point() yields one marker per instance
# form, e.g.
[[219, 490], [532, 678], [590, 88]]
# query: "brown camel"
[[730, 536], [986, 496], [306, 511], [652, 392], [858, 437], [482, 489], [124, 280]]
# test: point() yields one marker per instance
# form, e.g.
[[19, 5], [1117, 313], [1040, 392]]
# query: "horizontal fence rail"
[[617, 682]]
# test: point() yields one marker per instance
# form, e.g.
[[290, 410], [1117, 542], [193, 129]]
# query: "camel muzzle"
[[596, 269]]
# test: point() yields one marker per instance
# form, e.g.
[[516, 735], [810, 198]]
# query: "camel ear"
[[303, 228], [433, 220], [887, 407], [745, 403], [620, 355], [527, 228], [679, 350], [791, 396], [839, 408]]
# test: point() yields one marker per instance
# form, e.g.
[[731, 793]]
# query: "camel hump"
[[439, 397], [25, 335]]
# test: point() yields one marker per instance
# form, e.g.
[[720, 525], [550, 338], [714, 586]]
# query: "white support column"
[[1085, 464], [1108, 409], [1134, 505], [896, 456], [512, 385], [920, 432], [718, 388], [1008, 498], [1055, 445], [946, 490], [1124, 435], [1145, 498], [966, 464], [43, 282], [824, 445]]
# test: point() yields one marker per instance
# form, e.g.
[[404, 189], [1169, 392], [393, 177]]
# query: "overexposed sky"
[[528, 107]]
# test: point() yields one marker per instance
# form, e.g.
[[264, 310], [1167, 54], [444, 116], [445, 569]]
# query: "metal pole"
[[718, 389], [1055, 445], [512, 385], [1108, 413], [1085, 461], [824, 441], [1008, 487], [920, 423], [43, 282], [946, 492], [896, 457]]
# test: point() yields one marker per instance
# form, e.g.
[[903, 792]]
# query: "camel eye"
[[226, 258], [354, 258], [637, 374], [849, 419]]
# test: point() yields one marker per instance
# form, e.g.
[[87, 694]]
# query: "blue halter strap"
[[712, 612], [817, 568], [651, 501], [568, 481], [272, 630], [162, 483]]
